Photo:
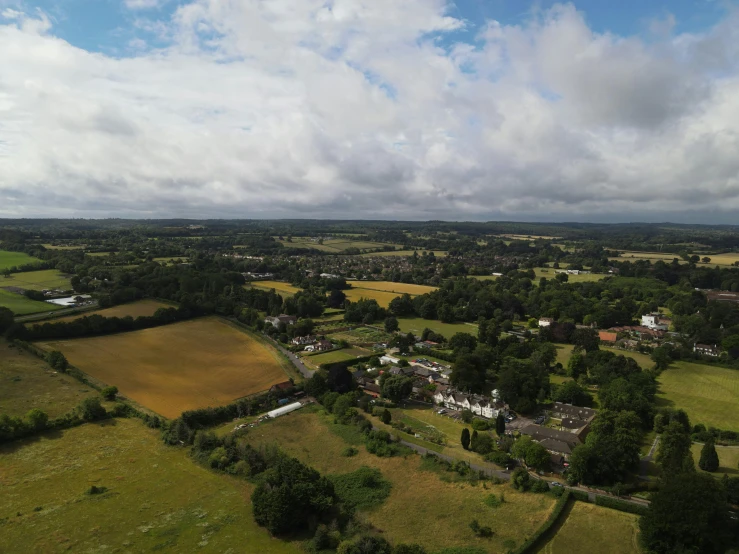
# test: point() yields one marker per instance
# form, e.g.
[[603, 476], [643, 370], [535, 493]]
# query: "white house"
[[653, 321], [384, 360], [707, 349], [545, 321], [478, 405]]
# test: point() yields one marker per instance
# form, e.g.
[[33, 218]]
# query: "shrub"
[[96, 490], [363, 488], [57, 360], [539, 485], [493, 501], [480, 425], [349, 451], [616, 504], [109, 392], [479, 530], [520, 479], [499, 457], [91, 410]]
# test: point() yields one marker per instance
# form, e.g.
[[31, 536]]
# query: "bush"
[[109, 392], [364, 488], [91, 410], [520, 479], [480, 425], [349, 451], [493, 501], [96, 490], [499, 457], [539, 485], [57, 360], [479, 530]]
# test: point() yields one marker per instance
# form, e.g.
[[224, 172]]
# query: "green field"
[[549, 273], [26, 382], [37, 280], [422, 508], [12, 259], [157, 498], [20, 305], [728, 459], [335, 356], [590, 528], [332, 246], [416, 325], [280, 287], [709, 394]]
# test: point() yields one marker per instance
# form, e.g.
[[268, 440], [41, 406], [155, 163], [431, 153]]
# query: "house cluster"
[[656, 322], [707, 350], [313, 344], [281, 319], [572, 271], [251, 276], [422, 377], [573, 427], [479, 405]]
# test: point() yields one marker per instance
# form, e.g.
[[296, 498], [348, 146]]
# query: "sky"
[[477, 110]]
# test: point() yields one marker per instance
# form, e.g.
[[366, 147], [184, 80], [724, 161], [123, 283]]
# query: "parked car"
[[555, 484]]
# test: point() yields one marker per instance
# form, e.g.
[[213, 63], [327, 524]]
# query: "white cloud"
[[142, 4], [347, 109]]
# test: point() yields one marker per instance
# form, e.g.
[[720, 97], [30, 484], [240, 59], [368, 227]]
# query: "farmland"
[[145, 307], [725, 260], [12, 259], [279, 286], [26, 382], [417, 496], [728, 459], [389, 286], [156, 498], [182, 366], [332, 246], [20, 305], [335, 356], [550, 273], [383, 298], [588, 525], [709, 394], [416, 325], [37, 280]]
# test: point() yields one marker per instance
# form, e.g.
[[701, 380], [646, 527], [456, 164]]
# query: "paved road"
[[300, 366], [644, 462], [506, 475], [55, 313]]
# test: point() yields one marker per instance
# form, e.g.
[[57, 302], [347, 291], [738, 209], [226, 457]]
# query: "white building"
[[653, 321], [384, 360], [284, 410], [478, 405], [545, 321]]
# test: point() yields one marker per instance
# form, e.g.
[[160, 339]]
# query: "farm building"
[[284, 410]]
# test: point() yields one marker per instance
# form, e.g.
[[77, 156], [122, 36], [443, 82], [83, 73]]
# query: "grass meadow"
[[182, 366], [12, 259], [590, 528], [422, 507], [709, 394], [37, 280], [26, 382], [280, 287], [728, 460], [146, 307], [334, 246], [416, 325], [157, 499], [20, 305], [335, 356]]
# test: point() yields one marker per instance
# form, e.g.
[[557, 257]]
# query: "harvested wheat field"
[[174, 368]]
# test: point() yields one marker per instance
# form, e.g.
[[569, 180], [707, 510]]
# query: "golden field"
[[178, 367]]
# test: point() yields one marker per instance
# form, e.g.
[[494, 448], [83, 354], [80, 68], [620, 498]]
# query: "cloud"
[[299, 108], [143, 4]]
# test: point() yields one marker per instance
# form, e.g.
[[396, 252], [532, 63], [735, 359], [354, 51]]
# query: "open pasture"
[[49, 246], [157, 498], [20, 305], [728, 459], [12, 259], [26, 382], [280, 287], [37, 280], [389, 286], [383, 298], [418, 498], [550, 273], [416, 325], [590, 528], [726, 259], [332, 246], [709, 394], [146, 307], [178, 367], [335, 356]]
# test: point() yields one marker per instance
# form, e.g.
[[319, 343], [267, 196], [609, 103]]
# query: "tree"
[[500, 424], [37, 419], [108, 393], [473, 440], [520, 479], [91, 410], [397, 387], [391, 324], [587, 339], [709, 457], [6, 319], [572, 393], [336, 299], [465, 439], [467, 415], [687, 515], [534, 454], [386, 416], [673, 453], [468, 373], [57, 360], [462, 340], [661, 357], [576, 366]]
